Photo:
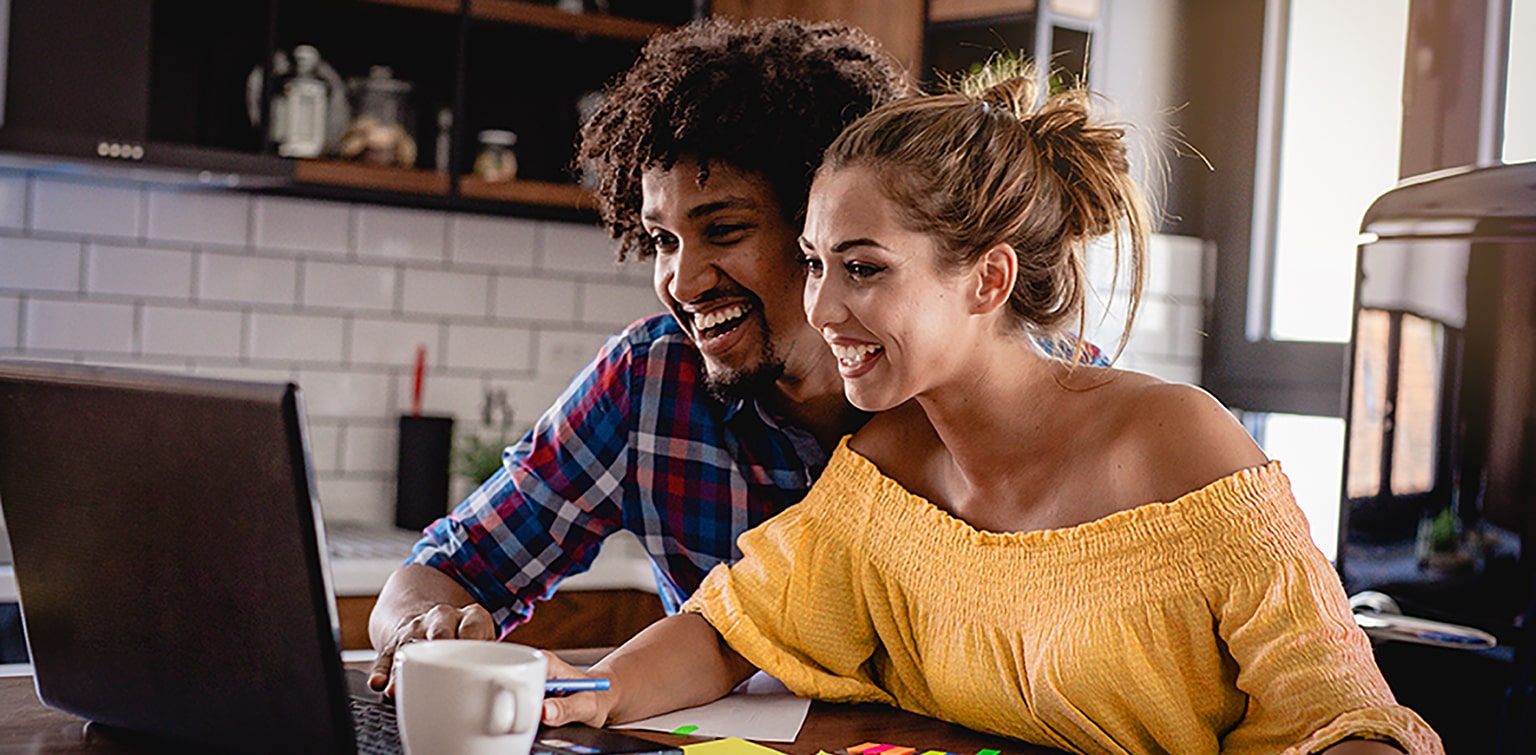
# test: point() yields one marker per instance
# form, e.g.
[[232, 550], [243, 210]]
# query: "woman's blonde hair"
[[985, 165]]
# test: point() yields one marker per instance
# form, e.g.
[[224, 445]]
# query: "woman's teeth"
[[851, 356], [709, 320]]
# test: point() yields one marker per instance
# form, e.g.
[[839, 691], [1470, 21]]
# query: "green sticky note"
[[689, 729], [988, 752]]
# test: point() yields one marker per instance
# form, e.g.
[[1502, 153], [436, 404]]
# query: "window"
[[1520, 86]]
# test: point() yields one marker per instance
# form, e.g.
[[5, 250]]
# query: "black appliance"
[[1439, 495]]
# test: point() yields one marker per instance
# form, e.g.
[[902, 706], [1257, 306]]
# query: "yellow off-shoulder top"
[[1208, 624]]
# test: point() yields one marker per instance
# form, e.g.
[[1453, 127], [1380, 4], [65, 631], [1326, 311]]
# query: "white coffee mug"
[[468, 697]]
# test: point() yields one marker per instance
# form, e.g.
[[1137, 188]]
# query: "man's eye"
[[811, 265], [727, 234], [663, 243], [862, 269]]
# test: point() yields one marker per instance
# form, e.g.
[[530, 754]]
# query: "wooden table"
[[26, 726]]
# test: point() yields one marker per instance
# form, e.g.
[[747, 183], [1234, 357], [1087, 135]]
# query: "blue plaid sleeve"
[[544, 515]]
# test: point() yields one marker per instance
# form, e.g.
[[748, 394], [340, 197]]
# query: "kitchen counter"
[[362, 558]]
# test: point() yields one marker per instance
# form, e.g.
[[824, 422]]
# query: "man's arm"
[[421, 603], [476, 572]]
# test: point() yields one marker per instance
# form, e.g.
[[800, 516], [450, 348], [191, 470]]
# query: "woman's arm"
[[678, 662]]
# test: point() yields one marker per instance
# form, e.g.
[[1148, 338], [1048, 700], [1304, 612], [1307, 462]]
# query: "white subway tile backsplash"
[[283, 374], [349, 286], [296, 338], [1189, 332], [331, 393], [259, 280], [501, 242], [303, 225], [369, 449], [79, 326], [325, 447], [13, 200], [1176, 266], [617, 305], [138, 271], [398, 234], [368, 500], [10, 322], [443, 293], [473, 347], [531, 398], [442, 394], [393, 343], [1152, 332], [93, 209], [565, 353], [200, 217], [1172, 369], [579, 248], [525, 298], [192, 332], [39, 264]]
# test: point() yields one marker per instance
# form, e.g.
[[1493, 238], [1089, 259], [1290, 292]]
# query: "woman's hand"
[[590, 708]]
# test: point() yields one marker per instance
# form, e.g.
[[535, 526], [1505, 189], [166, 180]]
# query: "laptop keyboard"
[[375, 727]]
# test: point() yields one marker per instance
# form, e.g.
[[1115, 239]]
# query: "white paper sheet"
[[761, 709]]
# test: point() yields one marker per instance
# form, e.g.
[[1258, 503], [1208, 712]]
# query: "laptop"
[[169, 553]]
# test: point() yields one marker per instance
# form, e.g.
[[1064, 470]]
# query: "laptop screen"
[[167, 553]]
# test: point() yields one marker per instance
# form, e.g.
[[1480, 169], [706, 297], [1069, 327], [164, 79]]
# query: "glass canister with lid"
[[496, 161]]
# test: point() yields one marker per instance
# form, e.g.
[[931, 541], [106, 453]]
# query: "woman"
[[1087, 558]]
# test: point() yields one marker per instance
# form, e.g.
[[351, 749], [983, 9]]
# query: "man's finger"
[[475, 623], [378, 677]]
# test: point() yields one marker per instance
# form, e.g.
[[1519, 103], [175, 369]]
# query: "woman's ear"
[[995, 273]]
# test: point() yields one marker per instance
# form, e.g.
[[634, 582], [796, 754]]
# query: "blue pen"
[[564, 686]]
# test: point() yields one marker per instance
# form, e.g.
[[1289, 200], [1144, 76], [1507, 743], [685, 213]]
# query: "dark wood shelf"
[[435, 6], [528, 192], [374, 177], [548, 17]]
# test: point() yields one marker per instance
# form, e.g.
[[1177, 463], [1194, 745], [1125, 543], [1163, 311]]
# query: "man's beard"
[[729, 386]]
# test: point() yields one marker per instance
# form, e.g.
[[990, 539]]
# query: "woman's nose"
[[822, 304]]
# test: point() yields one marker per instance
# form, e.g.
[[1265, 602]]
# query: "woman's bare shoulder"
[[1179, 438], [895, 438]]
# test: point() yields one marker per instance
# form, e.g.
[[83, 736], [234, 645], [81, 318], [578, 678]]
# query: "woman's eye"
[[862, 269]]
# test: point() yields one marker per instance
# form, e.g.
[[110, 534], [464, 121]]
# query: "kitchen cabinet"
[[159, 89]]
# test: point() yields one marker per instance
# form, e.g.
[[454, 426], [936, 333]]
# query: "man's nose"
[[693, 273]]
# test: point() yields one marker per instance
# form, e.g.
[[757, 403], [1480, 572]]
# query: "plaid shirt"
[[636, 442]]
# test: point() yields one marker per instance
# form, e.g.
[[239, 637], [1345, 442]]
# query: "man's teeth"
[[711, 319], [852, 355]]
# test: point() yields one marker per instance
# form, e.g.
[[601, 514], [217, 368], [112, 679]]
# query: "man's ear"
[[995, 273]]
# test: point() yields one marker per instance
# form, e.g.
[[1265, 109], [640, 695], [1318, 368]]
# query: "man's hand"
[[421, 603], [441, 622], [590, 708]]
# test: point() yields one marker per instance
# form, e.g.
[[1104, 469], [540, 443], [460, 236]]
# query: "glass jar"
[[381, 131], [496, 162]]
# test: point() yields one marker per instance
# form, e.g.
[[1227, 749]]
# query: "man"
[[688, 428]]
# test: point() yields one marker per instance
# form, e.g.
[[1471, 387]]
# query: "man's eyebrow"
[[729, 203], [708, 208]]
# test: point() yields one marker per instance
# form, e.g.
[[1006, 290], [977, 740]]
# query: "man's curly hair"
[[766, 97]]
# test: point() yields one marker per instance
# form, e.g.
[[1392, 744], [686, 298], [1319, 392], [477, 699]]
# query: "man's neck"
[[825, 414]]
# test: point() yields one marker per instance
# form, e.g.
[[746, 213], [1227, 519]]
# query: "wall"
[[333, 296], [336, 297]]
